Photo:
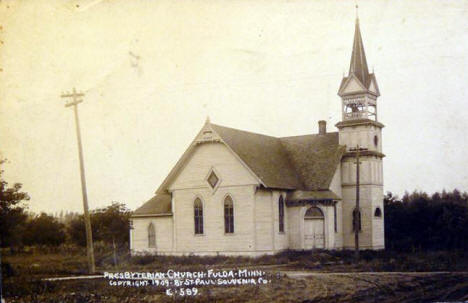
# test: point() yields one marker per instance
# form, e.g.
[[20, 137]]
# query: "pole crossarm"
[[76, 97], [358, 149]]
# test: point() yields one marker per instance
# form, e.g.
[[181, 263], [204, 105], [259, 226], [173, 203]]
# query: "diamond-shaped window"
[[213, 180]]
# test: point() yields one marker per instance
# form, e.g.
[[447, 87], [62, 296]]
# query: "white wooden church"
[[235, 192]]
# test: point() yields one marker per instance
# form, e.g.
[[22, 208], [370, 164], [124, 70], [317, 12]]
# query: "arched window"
[[281, 214], [378, 212], [313, 213], [198, 216], [359, 219], [335, 218], [228, 215], [151, 235]]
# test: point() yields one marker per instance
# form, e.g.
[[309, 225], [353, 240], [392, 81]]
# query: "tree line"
[[110, 225], [422, 222], [19, 228]]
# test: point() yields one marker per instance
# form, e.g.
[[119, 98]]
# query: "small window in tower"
[[213, 179], [376, 140], [378, 212]]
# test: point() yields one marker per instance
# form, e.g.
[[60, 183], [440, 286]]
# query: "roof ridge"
[[327, 133], [244, 131], [259, 134]]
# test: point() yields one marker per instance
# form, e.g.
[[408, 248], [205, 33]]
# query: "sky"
[[152, 71]]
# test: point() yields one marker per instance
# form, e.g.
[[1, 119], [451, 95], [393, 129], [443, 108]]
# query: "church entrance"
[[314, 228]]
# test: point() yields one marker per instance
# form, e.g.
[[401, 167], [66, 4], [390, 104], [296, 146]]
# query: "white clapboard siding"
[[212, 155], [190, 183], [163, 232]]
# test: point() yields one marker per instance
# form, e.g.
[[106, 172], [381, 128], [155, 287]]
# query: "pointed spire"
[[358, 65]]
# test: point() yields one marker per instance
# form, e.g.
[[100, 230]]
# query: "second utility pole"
[[76, 99], [357, 211]]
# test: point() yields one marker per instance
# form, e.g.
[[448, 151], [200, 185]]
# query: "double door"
[[314, 233]]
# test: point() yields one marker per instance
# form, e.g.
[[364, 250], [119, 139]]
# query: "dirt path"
[[74, 278], [301, 274]]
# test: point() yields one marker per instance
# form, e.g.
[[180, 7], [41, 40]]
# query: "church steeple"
[[359, 90], [358, 65], [360, 129]]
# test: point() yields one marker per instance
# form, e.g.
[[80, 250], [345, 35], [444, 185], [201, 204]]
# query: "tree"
[[110, 225], [12, 212], [76, 230], [44, 230]]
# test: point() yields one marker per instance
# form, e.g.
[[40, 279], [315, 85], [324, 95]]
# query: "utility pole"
[[357, 212], [77, 99]]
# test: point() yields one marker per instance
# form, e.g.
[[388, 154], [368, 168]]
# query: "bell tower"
[[360, 128]]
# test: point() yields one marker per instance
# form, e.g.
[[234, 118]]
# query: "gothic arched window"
[[198, 216], [359, 219], [151, 235], [281, 214], [335, 218], [228, 215]]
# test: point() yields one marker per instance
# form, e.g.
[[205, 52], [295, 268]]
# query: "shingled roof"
[[264, 155], [315, 158], [158, 205], [305, 163], [302, 162]]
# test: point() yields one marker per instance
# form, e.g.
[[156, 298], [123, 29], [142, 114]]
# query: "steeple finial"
[[207, 121], [357, 12]]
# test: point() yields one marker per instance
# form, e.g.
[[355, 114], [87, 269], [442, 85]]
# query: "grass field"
[[23, 274]]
